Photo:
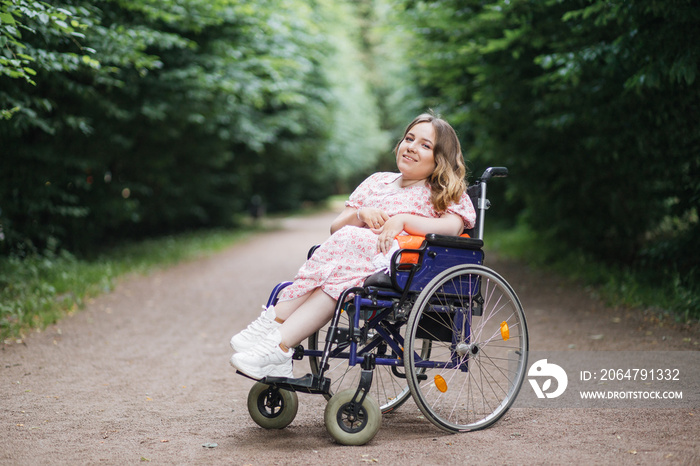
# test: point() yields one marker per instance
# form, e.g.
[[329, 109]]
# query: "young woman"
[[427, 196]]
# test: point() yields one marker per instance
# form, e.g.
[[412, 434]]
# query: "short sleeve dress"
[[344, 260]]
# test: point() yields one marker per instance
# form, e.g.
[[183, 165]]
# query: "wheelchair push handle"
[[494, 172], [482, 204]]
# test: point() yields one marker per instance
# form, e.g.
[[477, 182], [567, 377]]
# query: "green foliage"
[[355, 127], [18, 16], [665, 290], [149, 117], [37, 291], [591, 105]]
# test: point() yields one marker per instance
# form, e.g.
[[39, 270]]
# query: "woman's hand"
[[448, 224], [386, 234], [373, 218]]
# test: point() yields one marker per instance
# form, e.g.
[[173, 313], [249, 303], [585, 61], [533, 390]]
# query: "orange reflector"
[[440, 383], [505, 333]]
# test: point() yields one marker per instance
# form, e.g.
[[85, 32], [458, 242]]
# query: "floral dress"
[[345, 259]]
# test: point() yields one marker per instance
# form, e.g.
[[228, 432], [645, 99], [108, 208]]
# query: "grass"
[[663, 291], [37, 291]]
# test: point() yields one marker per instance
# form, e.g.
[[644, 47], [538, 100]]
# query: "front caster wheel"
[[350, 424], [271, 407]]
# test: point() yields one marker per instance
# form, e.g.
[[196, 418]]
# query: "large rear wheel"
[[479, 342]]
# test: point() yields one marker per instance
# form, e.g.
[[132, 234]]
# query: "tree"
[[171, 115]]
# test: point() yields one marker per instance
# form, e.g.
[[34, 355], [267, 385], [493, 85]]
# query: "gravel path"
[[142, 375]]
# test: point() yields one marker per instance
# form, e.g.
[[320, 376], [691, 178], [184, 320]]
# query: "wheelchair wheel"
[[349, 424], [479, 348], [389, 386], [270, 407]]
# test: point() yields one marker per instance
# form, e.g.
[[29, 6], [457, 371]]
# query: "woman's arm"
[[448, 224], [365, 216], [347, 217]]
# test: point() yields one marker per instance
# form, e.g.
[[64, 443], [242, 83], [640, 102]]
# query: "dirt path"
[[142, 375]]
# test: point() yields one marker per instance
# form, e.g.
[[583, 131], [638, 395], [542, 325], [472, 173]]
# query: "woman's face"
[[414, 157]]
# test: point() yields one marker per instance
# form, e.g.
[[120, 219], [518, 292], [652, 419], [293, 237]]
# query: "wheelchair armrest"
[[312, 250], [454, 241]]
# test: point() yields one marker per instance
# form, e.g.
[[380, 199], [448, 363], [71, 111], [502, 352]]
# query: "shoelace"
[[257, 325], [266, 348]]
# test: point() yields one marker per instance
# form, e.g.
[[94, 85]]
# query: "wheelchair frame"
[[438, 316]]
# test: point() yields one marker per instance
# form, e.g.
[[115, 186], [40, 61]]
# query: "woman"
[[427, 196]]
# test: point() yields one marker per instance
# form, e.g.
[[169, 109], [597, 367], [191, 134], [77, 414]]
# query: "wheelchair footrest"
[[307, 384]]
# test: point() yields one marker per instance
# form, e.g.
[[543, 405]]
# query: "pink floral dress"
[[345, 259]]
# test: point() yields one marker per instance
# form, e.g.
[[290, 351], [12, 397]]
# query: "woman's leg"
[[269, 320], [306, 317], [272, 356], [284, 309]]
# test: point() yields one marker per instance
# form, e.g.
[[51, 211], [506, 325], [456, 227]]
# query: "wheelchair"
[[441, 328]]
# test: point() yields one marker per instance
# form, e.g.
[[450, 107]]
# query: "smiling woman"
[[446, 178], [414, 156]]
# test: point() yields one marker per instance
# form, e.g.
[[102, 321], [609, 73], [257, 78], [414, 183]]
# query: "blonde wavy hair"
[[447, 182]]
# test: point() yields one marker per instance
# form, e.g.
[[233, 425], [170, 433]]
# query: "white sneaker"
[[257, 331], [266, 359]]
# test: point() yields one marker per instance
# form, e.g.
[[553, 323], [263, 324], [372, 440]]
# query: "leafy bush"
[[588, 103]]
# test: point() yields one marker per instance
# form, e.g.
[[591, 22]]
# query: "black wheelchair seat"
[[380, 279]]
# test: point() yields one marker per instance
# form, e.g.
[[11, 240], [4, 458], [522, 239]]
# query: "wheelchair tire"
[[271, 407], [347, 428], [389, 387], [479, 339]]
